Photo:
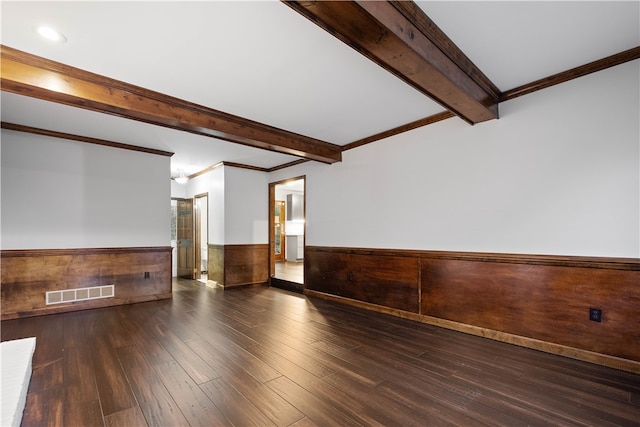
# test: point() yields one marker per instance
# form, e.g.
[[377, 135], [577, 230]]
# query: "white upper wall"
[[238, 204], [178, 191], [246, 206], [212, 184], [66, 194], [558, 173]]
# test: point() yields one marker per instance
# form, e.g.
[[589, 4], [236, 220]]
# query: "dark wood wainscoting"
[[386, 280], [239, 265], [215, 263], [137, 274], [536, 301]]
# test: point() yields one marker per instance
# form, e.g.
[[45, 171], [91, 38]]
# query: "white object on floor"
[[15, 374]]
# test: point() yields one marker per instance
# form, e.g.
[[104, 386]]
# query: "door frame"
[[272, 207]]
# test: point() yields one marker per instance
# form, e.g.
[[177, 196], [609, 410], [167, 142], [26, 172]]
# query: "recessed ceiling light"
[[51, 34]]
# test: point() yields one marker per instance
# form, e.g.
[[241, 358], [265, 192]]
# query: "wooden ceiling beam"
[[37, 77], [410, 48]]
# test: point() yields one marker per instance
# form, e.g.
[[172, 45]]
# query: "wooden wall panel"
[[536, 301], [238, 265], [246, 265], [545, 302], [215, 263], [390, 281], [28, 274]]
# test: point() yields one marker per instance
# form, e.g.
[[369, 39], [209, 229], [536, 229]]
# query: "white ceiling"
[[265, 62]]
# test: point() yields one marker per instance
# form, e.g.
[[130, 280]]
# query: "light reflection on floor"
[[290, 271]]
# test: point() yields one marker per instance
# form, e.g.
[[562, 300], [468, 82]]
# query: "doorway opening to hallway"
[[287, 233]]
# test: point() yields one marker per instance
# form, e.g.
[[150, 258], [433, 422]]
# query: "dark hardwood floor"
[[262, 356]]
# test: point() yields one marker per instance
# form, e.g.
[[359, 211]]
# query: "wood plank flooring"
[[290, 271], [266, 357]]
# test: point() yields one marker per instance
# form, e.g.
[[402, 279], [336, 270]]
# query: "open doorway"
[[287, 233], [190, 237], [183, 237]]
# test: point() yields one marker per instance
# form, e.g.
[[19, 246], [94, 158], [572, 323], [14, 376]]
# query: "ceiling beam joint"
[[381, 31]]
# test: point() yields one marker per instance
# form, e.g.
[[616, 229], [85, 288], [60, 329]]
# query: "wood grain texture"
[[215, 263], [548, 303], [238, 265], [381, 32], [246, 265], [537, 301], [28, 274], [152, 397], [288, 360], [419, 18], [390, 281], [30, 75]]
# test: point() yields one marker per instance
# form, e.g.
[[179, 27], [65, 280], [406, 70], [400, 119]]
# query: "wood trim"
[[30, 75], [400, 129], [206, 170], [15, 253], [272, 229], [103, 142], [287, 165], [244, 245], [382, 33], [244, 166], [272, 205], [72, 137], [223, 163], [632, 264], [574, 73], [574, 353]]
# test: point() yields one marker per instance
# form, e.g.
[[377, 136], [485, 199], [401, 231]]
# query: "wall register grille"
[[80, 294]]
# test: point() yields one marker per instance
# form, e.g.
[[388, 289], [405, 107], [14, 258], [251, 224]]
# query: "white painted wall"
[[238, 204], [178, 190], [558, 173], [212, 183], [67, 194], [246, 206]]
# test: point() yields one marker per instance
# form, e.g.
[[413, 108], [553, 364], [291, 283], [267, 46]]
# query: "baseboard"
[[134, 274], [547, 347]]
